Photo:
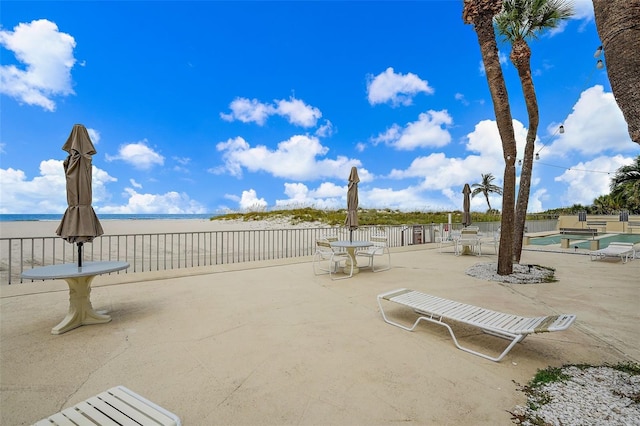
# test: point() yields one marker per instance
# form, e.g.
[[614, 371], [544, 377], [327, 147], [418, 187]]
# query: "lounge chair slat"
[[118, 406], [438, 310]]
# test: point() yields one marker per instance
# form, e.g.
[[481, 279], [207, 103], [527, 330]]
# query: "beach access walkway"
[[270, 343]]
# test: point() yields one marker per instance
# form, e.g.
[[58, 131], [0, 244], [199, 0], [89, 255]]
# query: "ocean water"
[[57, 217]]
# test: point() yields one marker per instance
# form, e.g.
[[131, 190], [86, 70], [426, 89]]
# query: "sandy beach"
[[271, 343], [18, 229]]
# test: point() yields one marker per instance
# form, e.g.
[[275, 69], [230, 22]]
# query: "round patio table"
[[351, 247], [79, 280]]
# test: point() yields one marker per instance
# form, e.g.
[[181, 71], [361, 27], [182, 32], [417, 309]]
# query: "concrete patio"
[[269, 343]]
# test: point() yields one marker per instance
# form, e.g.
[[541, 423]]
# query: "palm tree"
[[605, 204], [480, 13], [625, 186], [618, 24], [519, 21], [486, 188]]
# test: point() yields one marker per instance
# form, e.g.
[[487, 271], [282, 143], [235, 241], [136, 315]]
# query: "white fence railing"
[[165, 251]]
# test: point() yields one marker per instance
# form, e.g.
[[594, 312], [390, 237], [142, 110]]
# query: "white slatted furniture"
[[326, 260], [441, 311], [624, 251], [118, 406], [378, 249]]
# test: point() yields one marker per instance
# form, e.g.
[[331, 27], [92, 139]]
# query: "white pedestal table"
[[79, 280], [351, 247]]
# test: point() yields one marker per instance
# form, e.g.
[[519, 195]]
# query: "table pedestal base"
[[350, 260], [80, 310], [466, 250]]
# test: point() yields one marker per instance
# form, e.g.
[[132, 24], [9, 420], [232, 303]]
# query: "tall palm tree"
[[480, 13], [486, 187], [625, 186], [519, 21], [618, 24]]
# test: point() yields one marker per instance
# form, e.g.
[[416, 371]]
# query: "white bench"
[[118, 406], [438, 310]]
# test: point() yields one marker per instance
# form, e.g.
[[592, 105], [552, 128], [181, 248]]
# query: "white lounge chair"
[[440, 311], [115, 407], [379, 248], [615, 249], [328, 261]]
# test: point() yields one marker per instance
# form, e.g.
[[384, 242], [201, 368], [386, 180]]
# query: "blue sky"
[[208, 106]]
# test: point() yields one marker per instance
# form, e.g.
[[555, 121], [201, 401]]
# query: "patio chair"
[[442, 311], [326, 260], [448, 238], [615, 249], [380, 247], [468, 237], [490, 240], [117, 406]]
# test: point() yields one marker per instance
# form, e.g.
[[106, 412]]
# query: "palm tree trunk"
[[618, 23], [521, 57], [486, 195], [480, 13]]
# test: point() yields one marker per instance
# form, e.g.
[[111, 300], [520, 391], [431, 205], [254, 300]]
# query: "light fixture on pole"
[[600, 63], [598, 52], [561, 129]]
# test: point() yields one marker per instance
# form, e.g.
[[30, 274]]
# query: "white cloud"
[[298, 113], [596, 125], [135, 184], [253, 111], [588, 180], [536, 199], [583, 9], [45, 193], [139, 155], [461, 98], [94, 135], [295, 158], [47, 57], [428, 131], [250, 201], [397, 89], [327, 196], [485, 139], [169, 203], [248, 111], [325, 130]]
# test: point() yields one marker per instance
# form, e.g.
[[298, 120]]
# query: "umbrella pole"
[[350, 235], [79, 255]]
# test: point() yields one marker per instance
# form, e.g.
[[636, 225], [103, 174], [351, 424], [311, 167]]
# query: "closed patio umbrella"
[[351, 221], [79, 223], [466, 213]]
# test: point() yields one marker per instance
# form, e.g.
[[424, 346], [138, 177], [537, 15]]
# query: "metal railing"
[[175, 250]]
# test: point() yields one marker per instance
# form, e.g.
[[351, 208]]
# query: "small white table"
[[79, 280], [351, 247]]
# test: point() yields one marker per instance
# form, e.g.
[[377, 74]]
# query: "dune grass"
[[366, 217]]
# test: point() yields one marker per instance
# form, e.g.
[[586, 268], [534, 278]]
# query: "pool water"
[[583, 242]]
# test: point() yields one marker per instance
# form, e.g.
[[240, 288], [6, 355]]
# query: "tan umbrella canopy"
[[466, 212], [79, 223], [351, 221]]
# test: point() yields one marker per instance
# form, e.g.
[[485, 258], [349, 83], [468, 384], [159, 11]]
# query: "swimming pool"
[[583, 242]]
